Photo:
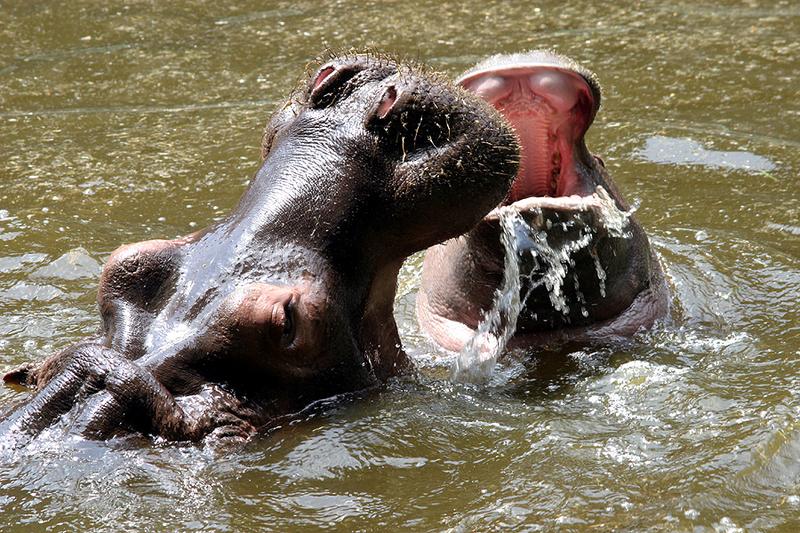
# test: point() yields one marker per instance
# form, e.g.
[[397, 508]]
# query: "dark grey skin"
[[289, 299], [551, 103]]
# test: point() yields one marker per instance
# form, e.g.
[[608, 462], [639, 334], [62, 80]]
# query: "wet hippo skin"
[[613, 286], [289, 299]]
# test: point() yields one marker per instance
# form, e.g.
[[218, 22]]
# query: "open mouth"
[[551, 103]]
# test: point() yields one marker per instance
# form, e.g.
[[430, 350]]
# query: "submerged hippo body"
[[289, 299], [612, 284]]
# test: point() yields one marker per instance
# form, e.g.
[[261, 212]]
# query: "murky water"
[[121, 123]]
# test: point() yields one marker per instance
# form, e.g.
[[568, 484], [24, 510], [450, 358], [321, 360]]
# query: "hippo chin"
[[613, 284], [289, 299]]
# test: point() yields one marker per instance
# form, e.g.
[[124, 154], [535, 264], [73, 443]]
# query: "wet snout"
[[137, 272], [399, 101], [409, 100], [134, 284]]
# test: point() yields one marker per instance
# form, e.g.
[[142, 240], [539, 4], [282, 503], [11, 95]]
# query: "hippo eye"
[[329, 83], [289, 330]]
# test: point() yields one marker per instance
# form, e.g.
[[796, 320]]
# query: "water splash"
[[549, 268], [475, 362]]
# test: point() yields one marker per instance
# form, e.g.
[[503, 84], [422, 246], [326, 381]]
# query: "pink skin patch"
[[550, 108], [387, 102], [324, 73]]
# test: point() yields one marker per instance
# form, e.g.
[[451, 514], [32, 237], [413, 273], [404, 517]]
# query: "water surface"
[[120, 123]]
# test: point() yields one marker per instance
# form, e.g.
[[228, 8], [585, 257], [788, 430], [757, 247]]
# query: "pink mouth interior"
[[550, 108]]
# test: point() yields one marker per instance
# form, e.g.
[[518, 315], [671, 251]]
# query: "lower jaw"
[[573, 202], [597, 210]]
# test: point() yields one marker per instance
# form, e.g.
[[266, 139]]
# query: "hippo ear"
[[21, 376]]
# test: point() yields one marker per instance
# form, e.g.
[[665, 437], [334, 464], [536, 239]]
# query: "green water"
[[121, 123]]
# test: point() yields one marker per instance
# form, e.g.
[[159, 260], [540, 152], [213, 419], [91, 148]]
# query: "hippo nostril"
[[324, 73], [387, 102], [331, 83]]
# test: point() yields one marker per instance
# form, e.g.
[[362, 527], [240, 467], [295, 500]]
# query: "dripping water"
[[475, 362], [549, 268]]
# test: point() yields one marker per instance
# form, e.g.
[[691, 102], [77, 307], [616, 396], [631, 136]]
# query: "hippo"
[[611, 282], [288, 300]]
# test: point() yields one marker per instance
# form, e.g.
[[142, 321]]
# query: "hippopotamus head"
[[289, 298], [606, 282]]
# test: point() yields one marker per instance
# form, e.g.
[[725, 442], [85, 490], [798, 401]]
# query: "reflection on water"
[[127, 122], [660, 149]]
